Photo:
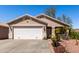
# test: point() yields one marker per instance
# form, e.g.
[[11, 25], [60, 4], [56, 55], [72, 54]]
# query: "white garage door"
[[28, 33]]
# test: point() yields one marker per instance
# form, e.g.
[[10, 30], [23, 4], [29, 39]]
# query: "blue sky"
[[9, 12]]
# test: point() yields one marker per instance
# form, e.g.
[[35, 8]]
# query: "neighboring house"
[[29, 27], [4, 31]]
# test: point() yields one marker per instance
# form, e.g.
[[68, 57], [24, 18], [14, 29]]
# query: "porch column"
[[44, 32], [53, 32], [10, 32]]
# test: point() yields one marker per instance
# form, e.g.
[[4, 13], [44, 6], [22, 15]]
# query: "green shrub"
[[55, 42], [74, 35]]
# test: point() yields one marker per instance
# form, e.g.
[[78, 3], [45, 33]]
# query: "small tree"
[[65, 19], [69, 21]]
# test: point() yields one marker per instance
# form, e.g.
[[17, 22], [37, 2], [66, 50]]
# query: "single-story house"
[[30, 27], [4, 31]]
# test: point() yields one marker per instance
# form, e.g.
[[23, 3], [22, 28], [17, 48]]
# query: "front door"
[[49, 32]]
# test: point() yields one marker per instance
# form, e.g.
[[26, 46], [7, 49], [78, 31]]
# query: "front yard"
[[67, 46], [67, 41]]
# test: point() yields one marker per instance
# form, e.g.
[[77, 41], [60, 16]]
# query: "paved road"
[[23, 46]]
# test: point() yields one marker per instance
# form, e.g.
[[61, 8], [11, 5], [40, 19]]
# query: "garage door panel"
[[28, 33]]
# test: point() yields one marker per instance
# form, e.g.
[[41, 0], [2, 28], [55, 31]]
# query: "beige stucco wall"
[[28, 22]]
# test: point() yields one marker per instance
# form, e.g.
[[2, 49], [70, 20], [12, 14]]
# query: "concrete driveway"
[[24, 46]]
